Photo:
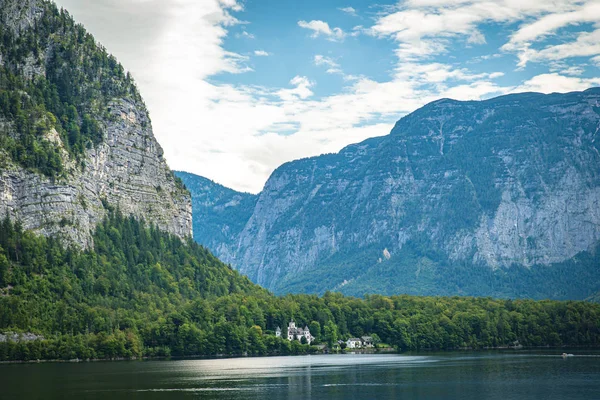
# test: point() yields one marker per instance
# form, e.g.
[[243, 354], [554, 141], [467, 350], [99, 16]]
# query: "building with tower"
[[296, 333]]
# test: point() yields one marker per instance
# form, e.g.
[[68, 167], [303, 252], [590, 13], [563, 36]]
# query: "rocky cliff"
[[75, 135], [498, 197]]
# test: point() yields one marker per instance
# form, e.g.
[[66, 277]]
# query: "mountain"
[[75, 136], [490, 198], [96, 258], [220, 213]]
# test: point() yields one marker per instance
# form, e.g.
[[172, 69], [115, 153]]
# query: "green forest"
[[142, 292]]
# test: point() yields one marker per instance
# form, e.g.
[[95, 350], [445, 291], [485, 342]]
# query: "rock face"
[[124, 169], [19, 338], [499, 197]]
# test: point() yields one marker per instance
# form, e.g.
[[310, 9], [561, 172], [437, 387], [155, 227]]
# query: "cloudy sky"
[[235, 88]]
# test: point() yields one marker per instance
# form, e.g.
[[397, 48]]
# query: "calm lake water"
[[468, 376]]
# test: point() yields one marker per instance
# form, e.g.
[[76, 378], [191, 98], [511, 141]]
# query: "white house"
[[353, 343], [294, 333]]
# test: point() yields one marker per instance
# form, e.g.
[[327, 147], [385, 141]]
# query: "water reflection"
[[501, 376]]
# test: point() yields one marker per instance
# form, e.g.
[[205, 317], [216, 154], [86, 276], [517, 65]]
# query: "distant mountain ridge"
[[498, 197], [220, 213]]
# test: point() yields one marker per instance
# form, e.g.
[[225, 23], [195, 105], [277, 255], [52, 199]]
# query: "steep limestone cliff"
[[499, 197], [75, 135]]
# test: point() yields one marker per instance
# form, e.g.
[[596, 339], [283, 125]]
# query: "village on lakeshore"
[[304, 336]]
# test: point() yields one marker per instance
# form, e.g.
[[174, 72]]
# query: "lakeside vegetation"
[[142, 292]]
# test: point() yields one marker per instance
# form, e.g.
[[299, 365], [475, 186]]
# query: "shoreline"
[[353, 352]]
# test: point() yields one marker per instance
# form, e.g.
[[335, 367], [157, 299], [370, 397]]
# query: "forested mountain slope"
[[489, 198], [74, 131], [219, 213], [143, 292]]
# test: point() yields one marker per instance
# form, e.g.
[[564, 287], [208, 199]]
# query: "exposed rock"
[[20, 15], [456, 187], [125, 170], [19, 337]]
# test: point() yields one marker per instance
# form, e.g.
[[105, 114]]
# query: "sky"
[[235, 88]]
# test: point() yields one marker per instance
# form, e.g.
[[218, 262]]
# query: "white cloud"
[[333, 67], [587, 44], [565, 69], [572, 14], [476, 37], [261, 53], [554, 82], [485, 57], [348, 10], [423, 27], [245, 35], [322, 28], [323, 60], [229, 4], [436, 73], [357, 31], [473, 91], [301, 89]]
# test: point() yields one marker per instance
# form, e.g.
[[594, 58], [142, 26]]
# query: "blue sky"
[[237, 87], [292, 49]]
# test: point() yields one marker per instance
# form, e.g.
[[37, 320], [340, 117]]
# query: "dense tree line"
[[74, 83], [141, 291]]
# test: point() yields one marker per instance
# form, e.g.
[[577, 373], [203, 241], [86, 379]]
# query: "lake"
[[472, 376]]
